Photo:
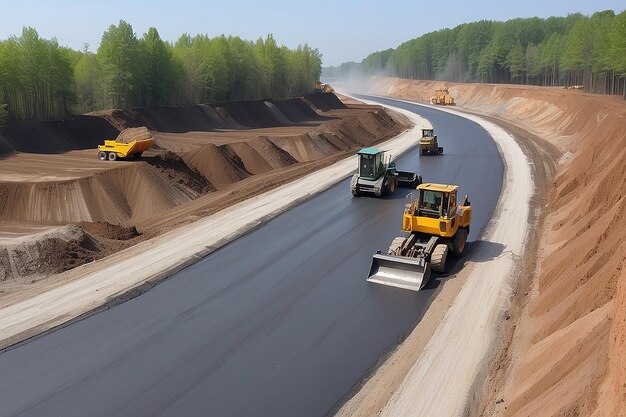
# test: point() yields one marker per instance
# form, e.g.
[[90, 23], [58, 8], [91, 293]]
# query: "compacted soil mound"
[[205, 158], [53, 251]]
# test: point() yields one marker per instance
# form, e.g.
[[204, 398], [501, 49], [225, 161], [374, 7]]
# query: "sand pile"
[[134, 133], [189, 175], [116, 196], [49, 252], [567, 355]]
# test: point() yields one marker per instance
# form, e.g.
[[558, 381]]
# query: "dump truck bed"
[[125, 150]]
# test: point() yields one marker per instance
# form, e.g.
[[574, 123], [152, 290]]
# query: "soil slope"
[[566, 356], [205, 158]]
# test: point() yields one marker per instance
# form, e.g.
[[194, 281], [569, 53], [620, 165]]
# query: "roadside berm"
[[559, 350], [54, 192]]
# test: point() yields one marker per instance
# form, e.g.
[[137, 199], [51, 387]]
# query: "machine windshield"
[[431, 201], [369, 165]]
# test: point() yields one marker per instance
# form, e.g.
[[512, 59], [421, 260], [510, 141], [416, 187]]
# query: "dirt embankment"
[[205, 158], [566, 353]]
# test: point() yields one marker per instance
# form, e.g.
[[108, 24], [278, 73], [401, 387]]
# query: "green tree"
[[119, 57]]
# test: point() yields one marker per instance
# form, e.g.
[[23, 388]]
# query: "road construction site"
[[295, 328], [286, 295]]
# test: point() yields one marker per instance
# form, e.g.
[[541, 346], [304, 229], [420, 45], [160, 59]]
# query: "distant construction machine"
[[131, 143], [443, 97], [321, 87], [378, 175], [437, 226], [428, 143]]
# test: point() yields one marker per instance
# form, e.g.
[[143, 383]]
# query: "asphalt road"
[[278, 323]]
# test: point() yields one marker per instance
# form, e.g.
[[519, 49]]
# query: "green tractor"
[[378, 175]]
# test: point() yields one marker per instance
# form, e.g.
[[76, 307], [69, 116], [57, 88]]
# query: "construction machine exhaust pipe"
[[399, 271]]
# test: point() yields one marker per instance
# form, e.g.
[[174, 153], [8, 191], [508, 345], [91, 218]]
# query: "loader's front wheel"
[[458, 243], [102, 156], [112, 156], [395, 245], [438, 257]]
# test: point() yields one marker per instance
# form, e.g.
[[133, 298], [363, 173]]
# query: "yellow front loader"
[[436, 226], [443, 97]]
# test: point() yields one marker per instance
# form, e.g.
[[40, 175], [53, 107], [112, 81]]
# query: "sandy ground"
[[188, 175], [562, 348], [127, 273]]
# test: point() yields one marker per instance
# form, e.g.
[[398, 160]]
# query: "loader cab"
[[437, 201], [372, 163], [428, 133]]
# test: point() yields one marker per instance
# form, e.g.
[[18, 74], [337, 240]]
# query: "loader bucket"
[[398, 271]]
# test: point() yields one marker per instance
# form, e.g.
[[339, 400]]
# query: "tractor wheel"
[[438, 257], [392, 186], [112, 156], [395, 245], [458, 243], [102, 155]]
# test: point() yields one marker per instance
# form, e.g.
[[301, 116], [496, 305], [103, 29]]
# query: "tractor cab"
[[373, 163]]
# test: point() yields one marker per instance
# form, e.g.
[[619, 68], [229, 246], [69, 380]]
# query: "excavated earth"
[[61, 207], [563, 350]]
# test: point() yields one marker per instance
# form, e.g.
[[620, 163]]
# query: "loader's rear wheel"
[[438, 257], [102, 156], [112, 156], [458, 243], [395, 245]]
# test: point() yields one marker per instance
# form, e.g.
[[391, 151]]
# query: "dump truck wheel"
[[112, 156], [438, 257], [102, 156], [395, 245], [458, 243]]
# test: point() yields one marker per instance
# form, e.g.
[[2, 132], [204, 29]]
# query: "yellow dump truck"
[[442, 96], [131, 143]]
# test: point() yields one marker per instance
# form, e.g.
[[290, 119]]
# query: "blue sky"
[[345, 30]]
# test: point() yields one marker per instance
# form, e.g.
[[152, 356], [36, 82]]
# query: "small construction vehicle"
[[131, 143], [428, 144], [321, 87], [436, 227], [442, 96], [378, 176]]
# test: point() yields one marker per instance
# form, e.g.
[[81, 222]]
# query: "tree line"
[[573, 50], [40, 80]]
